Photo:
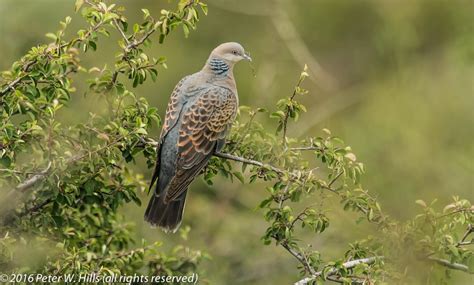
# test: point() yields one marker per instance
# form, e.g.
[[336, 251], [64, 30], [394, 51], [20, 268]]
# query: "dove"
[[200, 113]]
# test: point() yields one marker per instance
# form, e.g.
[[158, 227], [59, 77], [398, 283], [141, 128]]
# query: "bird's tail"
[[167, 216]]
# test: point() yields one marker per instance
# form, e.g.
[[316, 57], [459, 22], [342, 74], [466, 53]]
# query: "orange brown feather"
[[205, 123]]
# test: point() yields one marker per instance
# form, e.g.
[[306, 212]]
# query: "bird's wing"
[[173, 111], [204, 123]]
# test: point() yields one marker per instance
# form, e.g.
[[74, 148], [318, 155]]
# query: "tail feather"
[[167, 216]]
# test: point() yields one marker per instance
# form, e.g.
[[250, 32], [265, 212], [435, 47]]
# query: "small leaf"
[[421, 203], [78, 5]]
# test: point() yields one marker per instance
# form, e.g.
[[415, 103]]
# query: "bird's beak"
[[247, 56]]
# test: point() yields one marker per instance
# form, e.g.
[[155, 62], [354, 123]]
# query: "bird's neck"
[[219, 67]]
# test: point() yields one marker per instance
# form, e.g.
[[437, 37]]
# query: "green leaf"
[[146, 13], [277, 115], [78, 5], [421, 203], [239, 176]]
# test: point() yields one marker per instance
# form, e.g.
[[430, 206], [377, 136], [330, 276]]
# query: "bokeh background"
[[393, 78]]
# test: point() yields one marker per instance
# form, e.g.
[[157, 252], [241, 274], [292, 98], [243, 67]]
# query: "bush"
[[68, 181]]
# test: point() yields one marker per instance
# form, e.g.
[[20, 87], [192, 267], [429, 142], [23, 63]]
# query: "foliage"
[[74, 178], [71, 180], [300, 168]]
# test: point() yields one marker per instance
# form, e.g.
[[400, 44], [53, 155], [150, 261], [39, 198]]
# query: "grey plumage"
[[200, 113]]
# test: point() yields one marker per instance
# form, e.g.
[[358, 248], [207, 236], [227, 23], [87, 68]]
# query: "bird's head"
[[230, 52]]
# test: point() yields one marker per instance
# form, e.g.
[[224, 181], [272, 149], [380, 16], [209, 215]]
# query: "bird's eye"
[[235, 52]]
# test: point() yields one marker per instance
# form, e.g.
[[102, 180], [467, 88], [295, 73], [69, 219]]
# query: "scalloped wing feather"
[[203, 124]]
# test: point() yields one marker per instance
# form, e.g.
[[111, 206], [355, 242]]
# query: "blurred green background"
[[393, 78]]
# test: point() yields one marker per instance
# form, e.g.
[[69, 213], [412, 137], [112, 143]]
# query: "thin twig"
[[470, 229], [36, 208], [335, 178], [136, 43], [249, 161], [462, 210], [122, 33], [299, 217], [304, 148]]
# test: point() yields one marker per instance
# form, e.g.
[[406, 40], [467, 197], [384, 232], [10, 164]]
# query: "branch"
[[300, 257], [136, 43], [371, 260], [33, 180], [36, 208], [249, 161], [303, 148], [333, 271], [231, 157], [470, 229], [122, 33], [25, 185], [335, 179], [299, 217], [454, 266], [462, 210], [328, 187], [14, 83]]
